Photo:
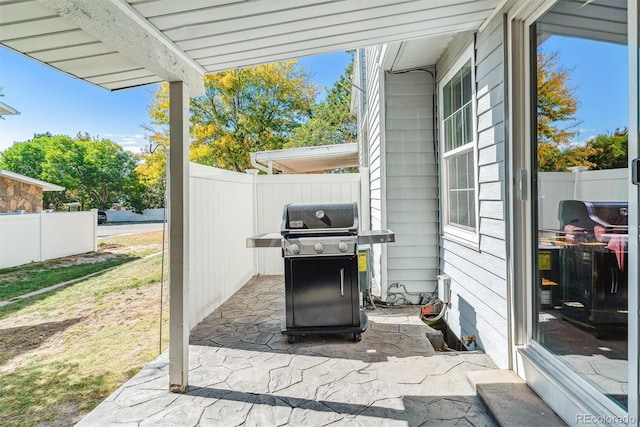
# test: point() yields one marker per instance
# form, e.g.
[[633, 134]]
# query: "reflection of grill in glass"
[[595, 261]]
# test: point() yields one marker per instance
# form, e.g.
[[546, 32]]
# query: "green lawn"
[[111, 252], [63, 352], [32, 277]]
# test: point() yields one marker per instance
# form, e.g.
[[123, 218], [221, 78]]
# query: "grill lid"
[[587, 215], [319, 218]]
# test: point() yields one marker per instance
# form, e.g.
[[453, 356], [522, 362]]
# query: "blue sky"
[[50, 101], [599, 78]]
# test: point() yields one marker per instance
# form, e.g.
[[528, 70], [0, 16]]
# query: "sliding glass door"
[[581, 187]]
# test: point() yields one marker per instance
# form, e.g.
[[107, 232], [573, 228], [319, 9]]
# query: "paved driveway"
[[243, 372], [116, 229]]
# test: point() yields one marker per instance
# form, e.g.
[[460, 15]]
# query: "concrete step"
[[511, 401]]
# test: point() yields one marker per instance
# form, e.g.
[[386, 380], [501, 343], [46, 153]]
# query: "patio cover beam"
[[119, 26]]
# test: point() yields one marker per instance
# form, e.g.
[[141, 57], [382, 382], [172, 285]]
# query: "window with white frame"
[[458, 145]]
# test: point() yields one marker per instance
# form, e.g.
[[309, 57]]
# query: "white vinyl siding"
[[411, 181], [478, 272]]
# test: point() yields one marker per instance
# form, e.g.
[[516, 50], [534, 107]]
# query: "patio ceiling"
[[118, 44], [310, 159]]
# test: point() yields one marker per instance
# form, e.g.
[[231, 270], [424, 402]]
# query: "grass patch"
[[43, 393], [111, 252], [63, 352], [139, 245], [32, 277]]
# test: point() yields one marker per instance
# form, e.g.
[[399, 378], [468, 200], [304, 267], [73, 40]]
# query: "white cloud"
[[133, 143]]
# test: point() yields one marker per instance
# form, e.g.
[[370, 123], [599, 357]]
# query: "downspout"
[[267, 169]]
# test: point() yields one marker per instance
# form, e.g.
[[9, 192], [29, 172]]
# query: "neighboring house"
[[22, 193], [446, 106]]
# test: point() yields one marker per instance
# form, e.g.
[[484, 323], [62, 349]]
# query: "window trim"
[[460, 234]]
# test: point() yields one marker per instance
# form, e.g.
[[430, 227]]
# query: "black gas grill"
[[595, 262], [320, 249]]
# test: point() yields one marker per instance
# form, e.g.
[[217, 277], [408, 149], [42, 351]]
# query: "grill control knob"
[[294, 248], [318, 247], [342, 246]]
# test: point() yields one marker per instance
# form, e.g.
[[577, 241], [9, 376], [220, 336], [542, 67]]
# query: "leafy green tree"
[[97, 171], [331, 120], [552, 158], [556, 106], [610, 151], [151, 178], [556, 101], [242, 111], [27, 157], [94, 172]]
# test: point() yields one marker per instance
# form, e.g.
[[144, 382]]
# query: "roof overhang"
[[6, 110], [118, 44], [46, 186], [309, 159]]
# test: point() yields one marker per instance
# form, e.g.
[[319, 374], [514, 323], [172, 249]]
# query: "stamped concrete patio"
[[243, 372]]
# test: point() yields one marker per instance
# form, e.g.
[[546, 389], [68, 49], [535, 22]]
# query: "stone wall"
[[16, 195]]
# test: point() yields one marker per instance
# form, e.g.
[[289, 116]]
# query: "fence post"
[[41, 235], [94, 218], [254, 210]]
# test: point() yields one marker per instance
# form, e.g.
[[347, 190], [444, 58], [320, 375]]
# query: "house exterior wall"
[[16, 195], [479, 303], [396, 123], [411, 182]]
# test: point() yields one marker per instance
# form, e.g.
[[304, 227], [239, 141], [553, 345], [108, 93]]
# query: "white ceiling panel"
[[53, 41], [57, 55], [118, 44], [420, 52]]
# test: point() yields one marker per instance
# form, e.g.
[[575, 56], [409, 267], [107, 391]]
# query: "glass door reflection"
[[582, 190]]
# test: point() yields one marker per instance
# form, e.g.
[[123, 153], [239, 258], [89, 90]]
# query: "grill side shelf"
[[268, 240], [376, 236]]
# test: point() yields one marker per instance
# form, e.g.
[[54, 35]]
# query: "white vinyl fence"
[[41, 236], [221, 219], [598, 185], [228, 207], [274, 191]]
